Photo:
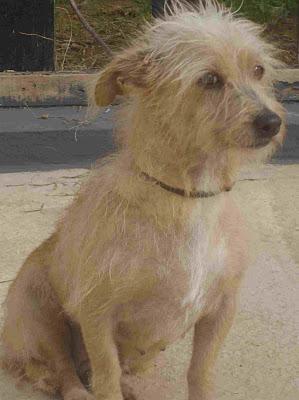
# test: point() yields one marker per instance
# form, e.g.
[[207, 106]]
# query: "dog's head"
[[201, 79]]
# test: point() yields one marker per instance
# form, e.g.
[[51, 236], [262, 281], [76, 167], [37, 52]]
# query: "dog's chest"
[[203, 259], [189, 270]]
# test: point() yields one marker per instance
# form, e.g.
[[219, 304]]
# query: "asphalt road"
[[35, 138]]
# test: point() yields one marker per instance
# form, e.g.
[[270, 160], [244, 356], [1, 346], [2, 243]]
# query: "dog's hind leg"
[[37, 345], [36, 336]]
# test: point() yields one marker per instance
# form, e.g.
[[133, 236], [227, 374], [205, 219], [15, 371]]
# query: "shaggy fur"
[[131, 267]]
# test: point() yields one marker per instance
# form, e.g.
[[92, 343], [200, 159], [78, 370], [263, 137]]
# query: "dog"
[[153, 244]]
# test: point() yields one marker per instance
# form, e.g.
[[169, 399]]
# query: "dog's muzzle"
[[266, 125]]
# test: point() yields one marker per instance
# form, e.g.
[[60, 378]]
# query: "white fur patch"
[[204, 262]]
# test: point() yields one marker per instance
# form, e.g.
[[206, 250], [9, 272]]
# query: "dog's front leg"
[[103, 356], [209, 334]]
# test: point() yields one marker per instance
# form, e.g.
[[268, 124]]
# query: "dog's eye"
[[211, 80], [259, 71]]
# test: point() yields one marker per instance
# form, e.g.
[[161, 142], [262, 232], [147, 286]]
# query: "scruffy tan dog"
[[153, 245]]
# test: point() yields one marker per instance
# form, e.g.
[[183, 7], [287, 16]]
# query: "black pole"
[[297, 23], [157, 7], [27, 35]]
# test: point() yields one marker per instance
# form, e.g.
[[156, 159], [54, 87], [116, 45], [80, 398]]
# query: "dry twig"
[[70, 38], [7, 280], [35, 210], [88, 27], [36, 35], [75, 176]]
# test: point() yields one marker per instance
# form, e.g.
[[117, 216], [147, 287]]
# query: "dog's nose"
[[267, 124]]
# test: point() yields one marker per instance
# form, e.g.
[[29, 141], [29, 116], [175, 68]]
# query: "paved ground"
[[260, 360]]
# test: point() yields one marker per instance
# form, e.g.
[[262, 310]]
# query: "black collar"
[[181, 192]]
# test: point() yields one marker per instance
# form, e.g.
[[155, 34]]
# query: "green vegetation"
[[264, 10]]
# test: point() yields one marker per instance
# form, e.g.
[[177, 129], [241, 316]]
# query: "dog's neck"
[[194, 194], [209, 177]]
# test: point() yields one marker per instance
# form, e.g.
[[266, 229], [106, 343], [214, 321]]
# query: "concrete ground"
[[260, 359]]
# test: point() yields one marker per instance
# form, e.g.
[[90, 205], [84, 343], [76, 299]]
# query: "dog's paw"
[[127, 392], [78, 394]]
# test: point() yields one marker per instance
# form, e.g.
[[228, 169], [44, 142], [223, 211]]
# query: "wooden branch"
[[88, 27]]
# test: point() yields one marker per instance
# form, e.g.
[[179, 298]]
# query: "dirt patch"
[[117, 21], [282, 33]]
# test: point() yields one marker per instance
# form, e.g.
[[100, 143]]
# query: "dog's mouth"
[[260, 143]]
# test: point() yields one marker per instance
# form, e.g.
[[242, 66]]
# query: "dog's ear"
[[125, 75]]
